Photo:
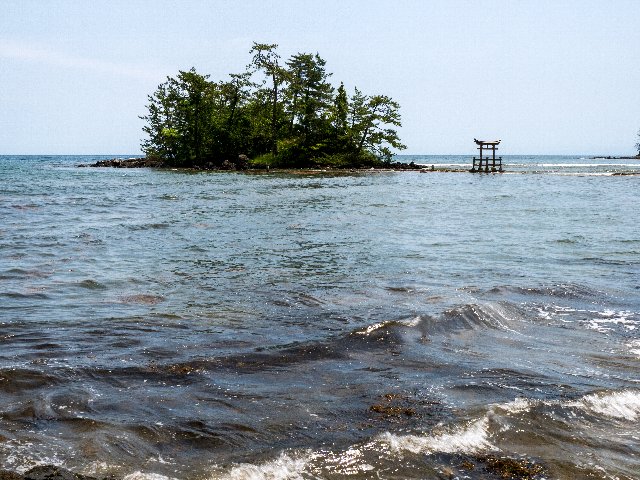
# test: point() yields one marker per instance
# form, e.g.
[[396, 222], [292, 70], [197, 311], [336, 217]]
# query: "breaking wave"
[[470, 438]]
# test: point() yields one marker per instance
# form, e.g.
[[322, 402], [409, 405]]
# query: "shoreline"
[[143, 162]]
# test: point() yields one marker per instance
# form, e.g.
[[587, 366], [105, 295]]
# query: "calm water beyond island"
[[159, 324]]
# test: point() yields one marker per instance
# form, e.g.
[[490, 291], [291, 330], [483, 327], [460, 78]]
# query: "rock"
[[126, 163], [507, 467], [243, 162], [227, 165], [4, 475], [50, 472]]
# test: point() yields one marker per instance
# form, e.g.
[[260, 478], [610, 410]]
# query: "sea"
[[166, 324]]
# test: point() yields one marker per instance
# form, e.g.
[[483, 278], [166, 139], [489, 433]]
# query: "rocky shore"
[[134, 162], [241, 164]]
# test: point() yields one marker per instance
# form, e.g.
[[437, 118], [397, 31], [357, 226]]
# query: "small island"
[[276, 114]]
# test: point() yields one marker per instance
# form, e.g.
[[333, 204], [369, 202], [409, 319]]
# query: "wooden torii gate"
[[481, 164]]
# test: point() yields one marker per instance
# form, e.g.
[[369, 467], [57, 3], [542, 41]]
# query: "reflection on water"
[[398, 325]]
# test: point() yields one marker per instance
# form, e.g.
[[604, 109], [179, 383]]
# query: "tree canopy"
[[283, 114]]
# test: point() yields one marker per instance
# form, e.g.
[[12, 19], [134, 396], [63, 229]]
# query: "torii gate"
[[496, 162]]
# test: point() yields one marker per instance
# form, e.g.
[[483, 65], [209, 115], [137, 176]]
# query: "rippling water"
[[158, 323]]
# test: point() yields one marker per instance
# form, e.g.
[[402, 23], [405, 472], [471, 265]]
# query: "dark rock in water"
[[4, 475], [505, 467], [404, 166], [126, 163], [49, 472]]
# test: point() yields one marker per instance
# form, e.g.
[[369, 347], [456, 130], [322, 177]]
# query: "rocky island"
[[278, 113]]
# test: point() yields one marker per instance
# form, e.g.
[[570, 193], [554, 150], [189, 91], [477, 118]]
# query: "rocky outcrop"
[[134, 162], [404, 166]]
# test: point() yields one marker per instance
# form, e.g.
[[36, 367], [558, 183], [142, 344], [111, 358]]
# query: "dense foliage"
[[283, 114]]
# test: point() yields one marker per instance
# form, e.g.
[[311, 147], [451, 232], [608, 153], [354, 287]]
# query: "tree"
[[292, 116], [265, 59], [310, 96], [179, 119], [232, 124], [638, 144], [340, 111], [371, 119]]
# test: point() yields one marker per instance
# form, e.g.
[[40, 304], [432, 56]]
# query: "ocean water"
[[159, 324]]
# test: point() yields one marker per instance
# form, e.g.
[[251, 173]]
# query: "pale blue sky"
[[546, 77]]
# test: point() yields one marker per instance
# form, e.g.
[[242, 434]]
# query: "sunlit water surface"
[[158, 323]]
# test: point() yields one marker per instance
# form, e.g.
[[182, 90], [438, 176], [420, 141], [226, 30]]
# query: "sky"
[[545, 77]]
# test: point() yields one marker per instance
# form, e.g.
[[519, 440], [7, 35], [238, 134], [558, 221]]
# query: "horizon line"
[[395, 155]]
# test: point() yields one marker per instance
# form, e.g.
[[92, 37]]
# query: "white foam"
[[146, 476], [345, 463], [519, 405], [412, 322], [634, 347], [285, 467], [550, 311], [624, 405], [371, 328], [586, 164], [24, 455], [609, 318], [471, 438]]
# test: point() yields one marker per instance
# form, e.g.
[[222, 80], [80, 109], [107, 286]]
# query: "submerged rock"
[[4, 475], [49, 472], [512, 468]]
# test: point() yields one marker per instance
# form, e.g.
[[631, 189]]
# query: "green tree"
[[266, 60], [179, 119], [310, 96], [371, 122], [340, 111], [232, 124], [292, 116]]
